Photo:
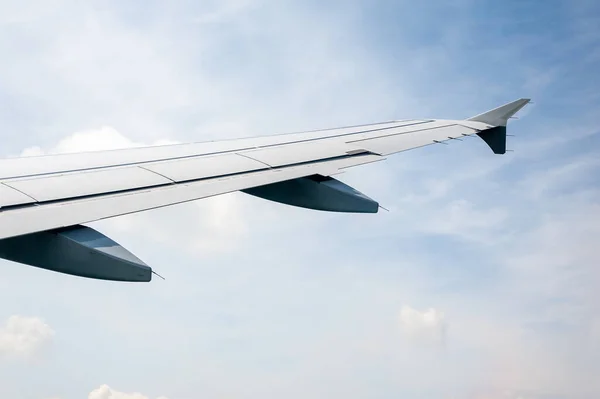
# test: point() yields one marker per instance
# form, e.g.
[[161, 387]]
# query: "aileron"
[[390, 144]]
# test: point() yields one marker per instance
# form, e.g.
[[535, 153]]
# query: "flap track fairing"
[[317, 192], [76, 250]]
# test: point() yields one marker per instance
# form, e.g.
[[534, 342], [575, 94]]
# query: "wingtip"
[[499, 116]]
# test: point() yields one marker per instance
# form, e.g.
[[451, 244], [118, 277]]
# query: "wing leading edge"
[[40, 197]]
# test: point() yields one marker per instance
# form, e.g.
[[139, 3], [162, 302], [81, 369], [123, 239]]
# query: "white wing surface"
[[49, 193]]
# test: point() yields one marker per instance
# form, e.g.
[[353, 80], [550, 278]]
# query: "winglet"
[[500, 116]]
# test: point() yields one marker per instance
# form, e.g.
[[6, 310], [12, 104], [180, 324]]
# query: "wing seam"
[[159, 174], [254, 159], [16, 189]]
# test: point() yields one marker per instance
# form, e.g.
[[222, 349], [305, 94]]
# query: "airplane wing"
[[45, 200]]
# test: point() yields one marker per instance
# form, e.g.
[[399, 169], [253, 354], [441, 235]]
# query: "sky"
[[480, 283]]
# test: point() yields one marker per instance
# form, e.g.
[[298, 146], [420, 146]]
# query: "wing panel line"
[[156, 173], [253, 159], [16, 189]]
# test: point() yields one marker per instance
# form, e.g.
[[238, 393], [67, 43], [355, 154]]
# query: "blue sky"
[[481, 281]]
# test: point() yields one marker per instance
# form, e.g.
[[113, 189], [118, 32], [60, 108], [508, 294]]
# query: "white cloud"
[[427, 326], [103, 138], [24, 336], [105, 392]]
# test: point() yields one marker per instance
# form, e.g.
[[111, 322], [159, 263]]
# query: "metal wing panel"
[[72, 185], [61, 163], [55, 187], [383, 139], [48, 216]]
